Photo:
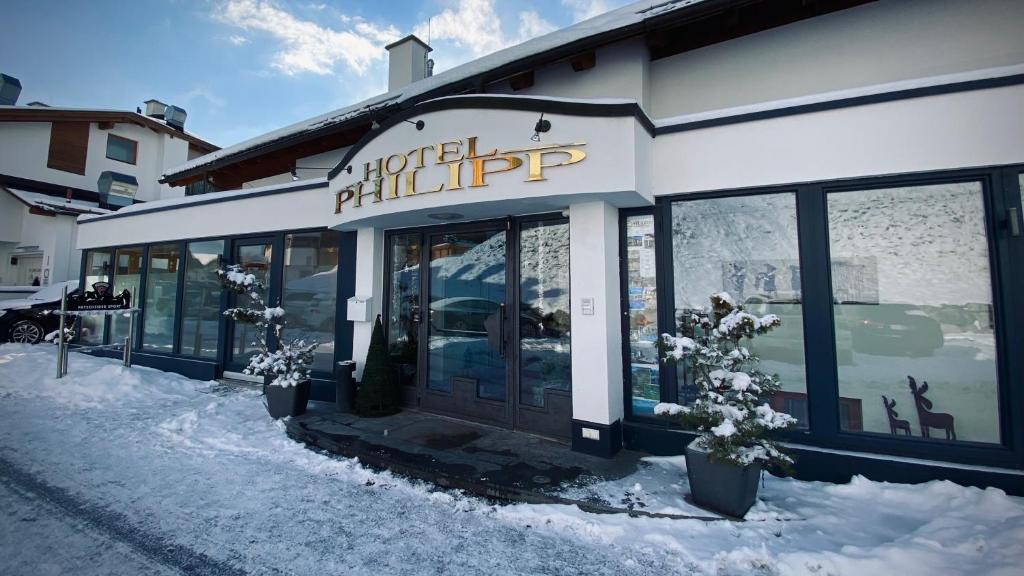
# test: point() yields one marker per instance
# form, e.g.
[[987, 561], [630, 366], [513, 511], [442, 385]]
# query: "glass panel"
[[746, 246], [311, 291], [913, 312], [544, 360], [97, 269], [127, 273], [254, 259], [121, 149], [161, 298], [404, 306], [200, 307], [641, 288], [467, 292]]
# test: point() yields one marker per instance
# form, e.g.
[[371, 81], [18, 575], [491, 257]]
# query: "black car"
[[29, 320]]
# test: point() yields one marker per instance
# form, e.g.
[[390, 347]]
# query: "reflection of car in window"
[[786, 343], [462, 314], [892, 329]]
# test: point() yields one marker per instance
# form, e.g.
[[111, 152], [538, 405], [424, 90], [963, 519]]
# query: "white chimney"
[[407, 61]]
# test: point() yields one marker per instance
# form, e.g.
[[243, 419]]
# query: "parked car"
[[29, 320]]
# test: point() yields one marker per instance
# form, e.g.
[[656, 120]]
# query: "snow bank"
[[202, 465]]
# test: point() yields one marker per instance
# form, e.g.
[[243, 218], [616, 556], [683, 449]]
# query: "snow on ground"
[[115, 470]]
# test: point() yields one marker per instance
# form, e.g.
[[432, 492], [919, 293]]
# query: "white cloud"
[[584, 9], [306, 46], [237, 40], [475, 26], [187, 98]]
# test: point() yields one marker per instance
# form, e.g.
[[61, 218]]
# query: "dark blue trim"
[[187, 367], [498, 102], [835, 467], [609, 443], [920, 92], [296, 188]]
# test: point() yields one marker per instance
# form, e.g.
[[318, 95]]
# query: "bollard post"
[[61, 362]]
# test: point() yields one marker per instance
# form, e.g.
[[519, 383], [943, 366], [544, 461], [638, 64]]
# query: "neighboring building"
[[529, 222], [58, 163]]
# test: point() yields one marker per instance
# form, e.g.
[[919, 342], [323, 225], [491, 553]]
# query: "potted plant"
[[285, 369], [731, 411]]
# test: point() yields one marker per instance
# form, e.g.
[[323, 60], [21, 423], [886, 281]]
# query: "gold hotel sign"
[[395, 176]]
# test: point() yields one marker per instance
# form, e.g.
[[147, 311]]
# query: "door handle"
[[1014, 218], [501, 330]]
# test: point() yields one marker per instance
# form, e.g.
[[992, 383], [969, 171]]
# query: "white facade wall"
[[26, 146], [54, 237], [876, 43], [960, 130], [621, 72], [597, 336]]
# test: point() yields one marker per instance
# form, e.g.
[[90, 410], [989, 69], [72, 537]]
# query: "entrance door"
[[544, 365], [254, 256], [457, 344], [466, 324]]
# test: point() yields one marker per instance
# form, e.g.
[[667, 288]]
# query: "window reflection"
[[544, 359], [127, 272], [98, 268], [746, 246], [913, 312], [310, 291], [200, 307], [641, 287], [404, 306], [161, 298]]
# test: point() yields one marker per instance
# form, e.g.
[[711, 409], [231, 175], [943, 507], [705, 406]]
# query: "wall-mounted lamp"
[[374, 125], [419, 124], [540, 127]]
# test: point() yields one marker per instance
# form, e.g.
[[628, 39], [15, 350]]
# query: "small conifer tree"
[[378, 393], [731, 410]]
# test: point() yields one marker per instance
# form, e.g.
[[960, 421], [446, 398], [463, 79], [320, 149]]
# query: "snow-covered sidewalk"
[[124, 471]]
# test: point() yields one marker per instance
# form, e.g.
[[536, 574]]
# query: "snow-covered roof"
[[631, 15], [208, 198], [55, 204]]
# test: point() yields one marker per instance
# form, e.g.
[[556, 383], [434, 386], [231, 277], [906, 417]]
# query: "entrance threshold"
[[484, 460]]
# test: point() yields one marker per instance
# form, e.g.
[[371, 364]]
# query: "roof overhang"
[[40, 114]]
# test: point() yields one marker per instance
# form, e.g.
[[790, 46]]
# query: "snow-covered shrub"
[[69, 334], [732, 408], [289, 362]]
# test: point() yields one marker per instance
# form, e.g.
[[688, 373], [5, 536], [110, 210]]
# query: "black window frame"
[[1001, 191]]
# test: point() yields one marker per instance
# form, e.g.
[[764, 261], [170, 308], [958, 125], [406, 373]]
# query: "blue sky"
[[244, 67]]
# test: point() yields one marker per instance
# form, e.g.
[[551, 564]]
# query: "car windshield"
[[52, 293]]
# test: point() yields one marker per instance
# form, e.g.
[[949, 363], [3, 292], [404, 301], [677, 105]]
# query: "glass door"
[[466, 327], [543, 361], [254, 256]]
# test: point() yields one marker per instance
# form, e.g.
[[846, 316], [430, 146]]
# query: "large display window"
[[897, 298], [200, 306], [98, 268], [161, 297], [914, 312], [310, 291], [746, 246]]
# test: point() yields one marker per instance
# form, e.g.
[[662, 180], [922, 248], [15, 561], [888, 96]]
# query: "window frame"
[[134, 144], [1000, 189]]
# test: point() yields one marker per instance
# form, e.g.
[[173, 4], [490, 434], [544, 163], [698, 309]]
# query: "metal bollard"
[[61, 344]]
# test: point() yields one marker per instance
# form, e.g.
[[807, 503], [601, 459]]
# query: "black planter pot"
[[286, 400], [720, 486]]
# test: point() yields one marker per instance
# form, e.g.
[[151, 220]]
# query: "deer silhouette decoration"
[[895, 424], [925, 416]]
